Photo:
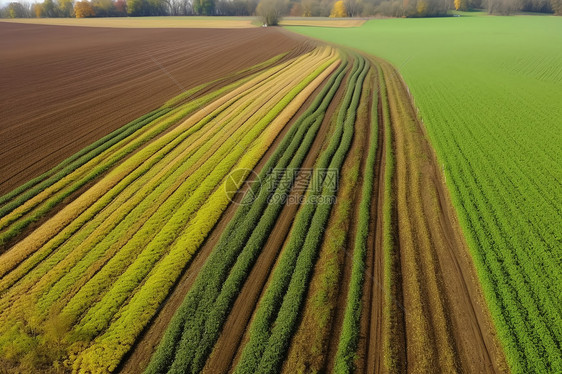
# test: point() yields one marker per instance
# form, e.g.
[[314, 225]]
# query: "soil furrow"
[[113, 81], [361, 141], [373, 300]]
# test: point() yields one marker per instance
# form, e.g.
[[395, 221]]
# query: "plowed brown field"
[[63, 88]]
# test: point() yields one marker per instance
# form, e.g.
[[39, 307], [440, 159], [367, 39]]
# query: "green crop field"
[[489, 91]]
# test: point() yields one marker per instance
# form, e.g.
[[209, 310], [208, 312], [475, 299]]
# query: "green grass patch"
[[488, 91]]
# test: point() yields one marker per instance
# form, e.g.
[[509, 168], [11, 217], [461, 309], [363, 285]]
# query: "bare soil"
[[63, 88]]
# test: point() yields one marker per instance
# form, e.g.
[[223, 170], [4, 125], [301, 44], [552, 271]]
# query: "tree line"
[[270, 10], [132, 8]]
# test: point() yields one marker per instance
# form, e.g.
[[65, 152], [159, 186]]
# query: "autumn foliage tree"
[[84, 9], [460, 5], [37, 10], [296, 10], [338, 10]]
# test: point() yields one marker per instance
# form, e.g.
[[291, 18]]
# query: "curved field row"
[[343, 254], [242, 239], [264, 299], [99, 269]]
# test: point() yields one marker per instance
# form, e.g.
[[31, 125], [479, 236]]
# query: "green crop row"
[[512, 283], [70, 283], [277, 313], [512, 243], [135, 211], [308, 345], [496, 132], [126, 197], [247, 230], [109, 347], [21, 194], [349, 338], [390, 314], [71, 280], [46, 251], [14, 228], [8, 202]]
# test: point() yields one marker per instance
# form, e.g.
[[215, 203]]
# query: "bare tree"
[[270, 12], [179, 7], [503, 7], [353, 7]]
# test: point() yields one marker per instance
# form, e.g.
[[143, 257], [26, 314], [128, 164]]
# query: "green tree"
[[103, 8], [17, 10], [50, 9], [66, 8], [158, 8], [204, 7], [136, 7]]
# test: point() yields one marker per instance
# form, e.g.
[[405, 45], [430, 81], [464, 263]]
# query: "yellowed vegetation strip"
[[111, 344], [143, 22]]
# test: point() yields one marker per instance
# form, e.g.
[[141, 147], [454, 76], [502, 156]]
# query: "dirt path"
[[99, 79]]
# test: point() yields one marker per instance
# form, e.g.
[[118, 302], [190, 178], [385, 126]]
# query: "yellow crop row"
[[193, 146], [33, 242], [196, 189], [109, 347], [86, 261]]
